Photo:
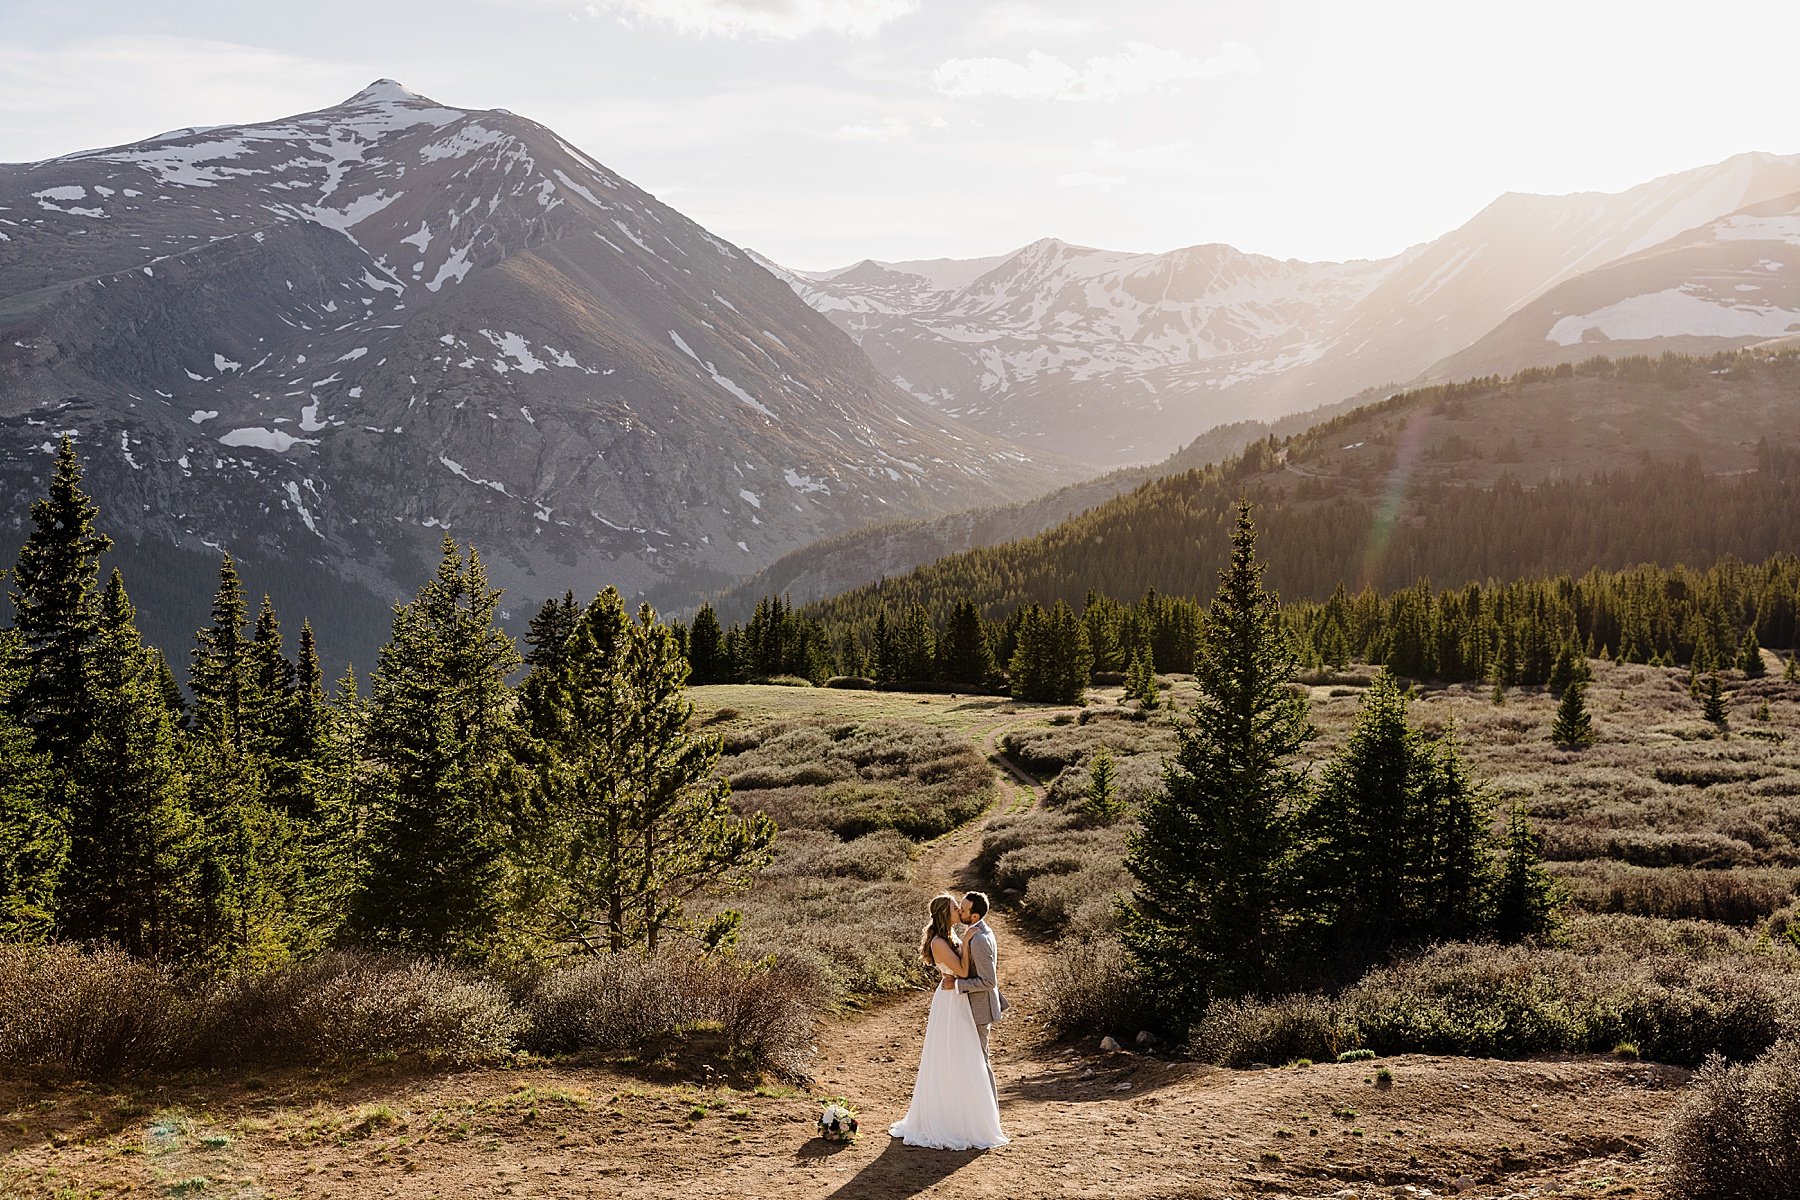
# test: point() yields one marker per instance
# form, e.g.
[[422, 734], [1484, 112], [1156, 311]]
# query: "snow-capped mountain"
[[1728, 282], [1117, 358], [334, 337]]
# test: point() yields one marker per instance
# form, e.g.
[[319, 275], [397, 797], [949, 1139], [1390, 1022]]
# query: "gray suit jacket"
[[983, 985]]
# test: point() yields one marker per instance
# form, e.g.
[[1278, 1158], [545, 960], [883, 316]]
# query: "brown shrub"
[[1742, 896], [1087, 992], [88, 1013], [353, 1006], [1736, 1135], [617, 1004]]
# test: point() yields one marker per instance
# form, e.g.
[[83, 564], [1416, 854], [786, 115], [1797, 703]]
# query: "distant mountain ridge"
[[1117, 358], [328, 340]]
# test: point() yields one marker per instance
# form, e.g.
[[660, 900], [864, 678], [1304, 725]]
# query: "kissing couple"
[[955, 1101]]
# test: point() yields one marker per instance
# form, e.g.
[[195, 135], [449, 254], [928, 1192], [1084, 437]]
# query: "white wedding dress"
[[953, 1104]]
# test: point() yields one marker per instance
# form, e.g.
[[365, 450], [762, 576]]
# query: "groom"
[[983, 984]]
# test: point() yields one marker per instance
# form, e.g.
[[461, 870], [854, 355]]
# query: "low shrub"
[[87, 1013], [1086, 991], [1509, 1001], [352, 1006], [1736, 1135], [1240, 1033], [621, 1004], [1739, 896]]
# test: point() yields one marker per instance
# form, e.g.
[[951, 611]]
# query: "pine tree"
[[915, 646], [1525, 896], [964, 656], [1750, 659], [1459, 864], [1712, 702], [248, 860], [1100, 802], [308, 729], [56, 609], [1210, 913], [438, 727], [170, 689], [130, 830], [1140, 680], [628, 818], [549, 632], [1053, 663], [34, 846], [706, 648], [1571, 667], [1573, 728], [1791, 671], [1367, 831], [219, 670], [268, 697]]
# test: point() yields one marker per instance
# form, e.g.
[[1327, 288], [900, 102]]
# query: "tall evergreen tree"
[[309, 728], [628, 819], [1211, 911], [549, 632], [1525, 896], [56, 609], [964, 655], [219, 670], [130, 830], [1140, 680], [270, 679], [1459, 867], [439, 722], [1573, 728], [34, 846], [706, 646], [1712, 702], [1369, 831]]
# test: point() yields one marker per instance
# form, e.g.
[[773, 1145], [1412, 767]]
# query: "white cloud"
[[768, 18], [1140, 68], [1034, 18], [1088, 181], [884, 130]]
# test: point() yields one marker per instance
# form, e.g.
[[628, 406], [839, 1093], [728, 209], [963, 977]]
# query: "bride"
[[953, 1103]]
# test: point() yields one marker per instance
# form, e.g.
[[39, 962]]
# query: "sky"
[[822, 132]]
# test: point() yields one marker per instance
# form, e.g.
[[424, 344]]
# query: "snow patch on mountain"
[[1675, 312]]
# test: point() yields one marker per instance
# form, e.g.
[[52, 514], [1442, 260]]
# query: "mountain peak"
[[386, 91]]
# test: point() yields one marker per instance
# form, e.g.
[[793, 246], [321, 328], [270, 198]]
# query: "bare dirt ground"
[[1082, 1122]]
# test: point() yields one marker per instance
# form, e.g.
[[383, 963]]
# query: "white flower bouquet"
[[838, 1122]]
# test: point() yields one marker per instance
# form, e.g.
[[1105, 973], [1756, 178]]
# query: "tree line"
[[264, 815], [1513, 633]]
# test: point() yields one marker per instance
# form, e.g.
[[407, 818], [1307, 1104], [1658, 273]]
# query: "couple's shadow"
[[900, 1170]]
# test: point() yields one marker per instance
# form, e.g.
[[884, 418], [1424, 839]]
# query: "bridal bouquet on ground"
[[838, 1122]]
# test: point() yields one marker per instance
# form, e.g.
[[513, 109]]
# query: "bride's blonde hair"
[[943, 915]]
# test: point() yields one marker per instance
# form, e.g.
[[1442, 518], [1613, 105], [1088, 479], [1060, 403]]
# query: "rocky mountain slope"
[[1117, 358], [326, 341], [1730, 281]]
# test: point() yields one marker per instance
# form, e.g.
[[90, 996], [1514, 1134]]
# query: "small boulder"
[[1145, 1038], [1110, 1044]]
